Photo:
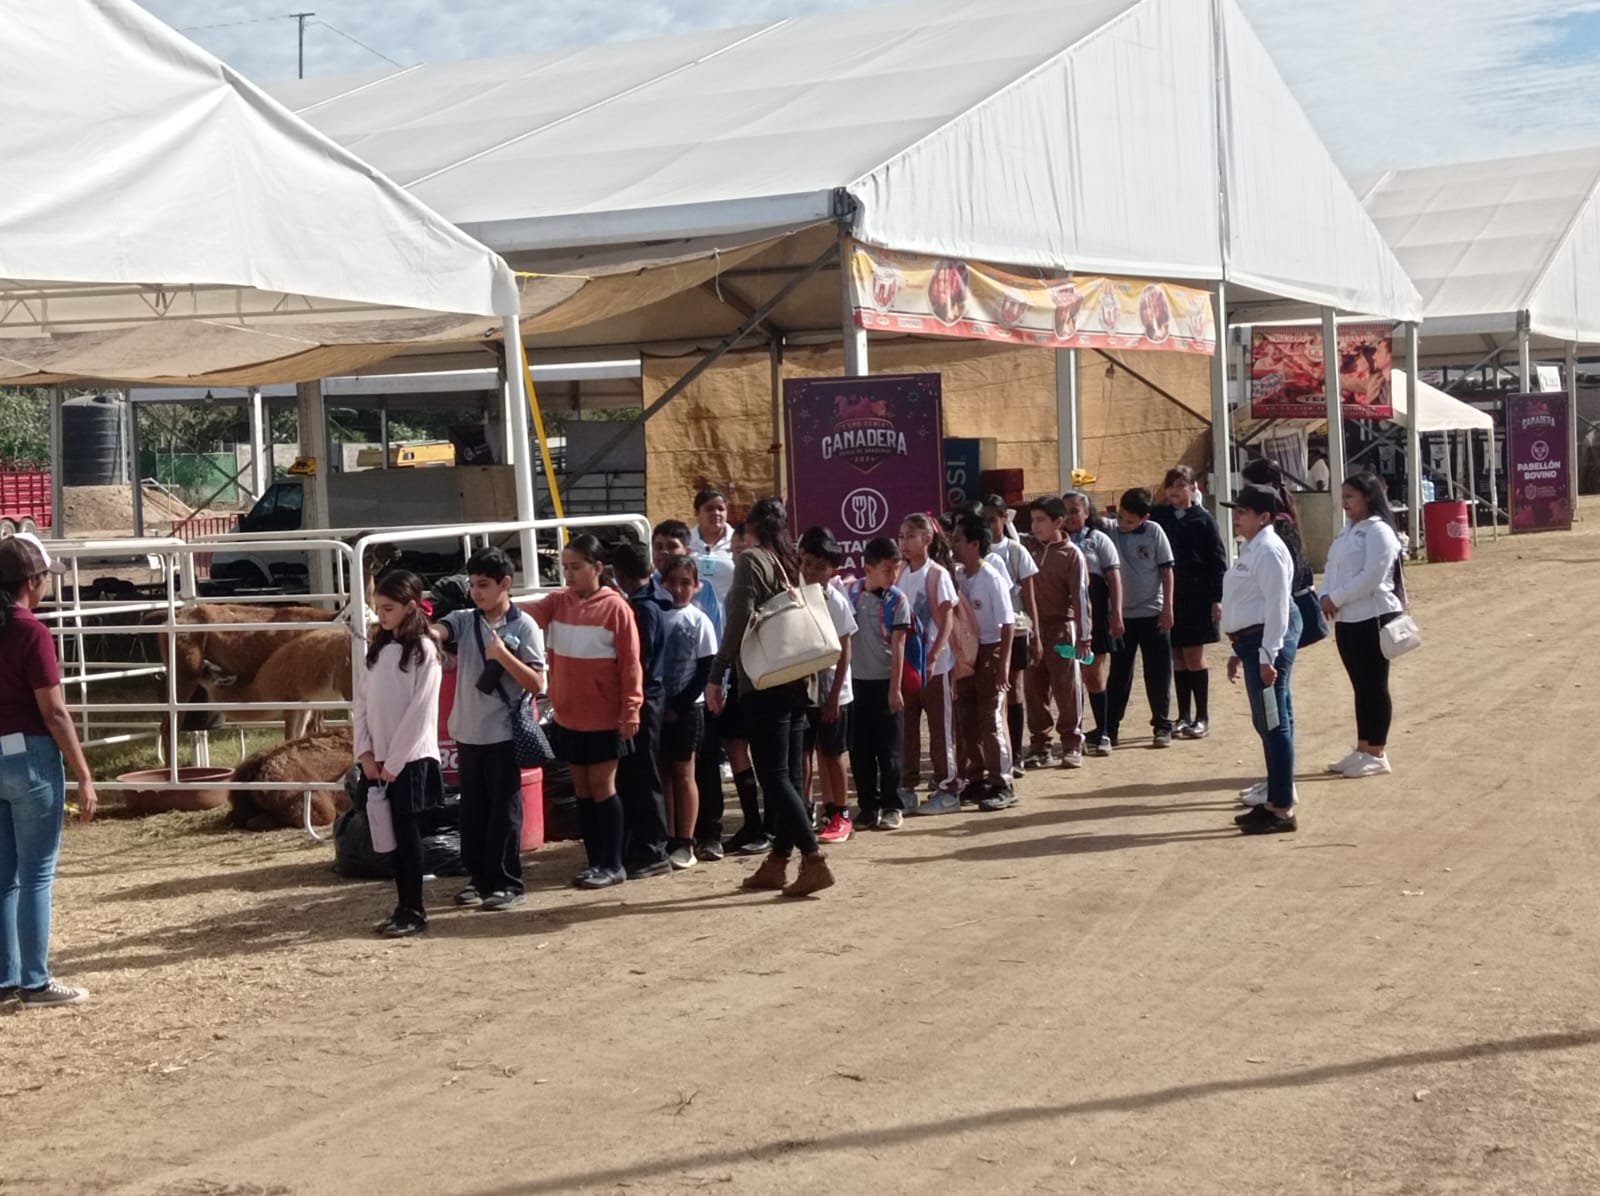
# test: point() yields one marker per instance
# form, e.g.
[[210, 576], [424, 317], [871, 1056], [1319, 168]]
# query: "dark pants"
[[491, 816], [1141, 637], [1368, 669], [708, 779], [776, 722], [407, 860], [877, 738], [644, 806], [1269, 706]]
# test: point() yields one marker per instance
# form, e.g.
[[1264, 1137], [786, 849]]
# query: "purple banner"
[[1538, 435], [863, 454]]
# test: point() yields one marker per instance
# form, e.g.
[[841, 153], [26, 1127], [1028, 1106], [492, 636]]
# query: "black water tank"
[[92, 450]]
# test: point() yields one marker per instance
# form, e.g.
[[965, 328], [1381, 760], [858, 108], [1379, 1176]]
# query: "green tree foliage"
[[24, 427]]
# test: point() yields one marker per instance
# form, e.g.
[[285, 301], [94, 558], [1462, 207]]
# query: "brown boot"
[[815, 875], [773, 873]]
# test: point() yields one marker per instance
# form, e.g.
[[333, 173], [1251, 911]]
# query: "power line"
[[357, 41], [228, 24]]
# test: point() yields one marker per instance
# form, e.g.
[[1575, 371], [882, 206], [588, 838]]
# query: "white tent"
[[1091, 136], [1437, 411]]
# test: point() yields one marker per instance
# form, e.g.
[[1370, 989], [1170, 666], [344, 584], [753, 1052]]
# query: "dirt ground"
[[106, 512], [1104, 990]]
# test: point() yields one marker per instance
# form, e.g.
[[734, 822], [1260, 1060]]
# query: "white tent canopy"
[[1091, 136], [1437, 411], [149, 183], [1498, 246]]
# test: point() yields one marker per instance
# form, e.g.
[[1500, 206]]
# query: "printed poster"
[[1538, 437], [1287, 379], [863, 453], [929, 296]]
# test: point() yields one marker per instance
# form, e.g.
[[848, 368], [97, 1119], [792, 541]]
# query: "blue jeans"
[[1277, 742], [33, 801]]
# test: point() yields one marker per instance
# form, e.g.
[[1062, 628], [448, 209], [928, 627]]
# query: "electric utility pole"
[[302, 17]]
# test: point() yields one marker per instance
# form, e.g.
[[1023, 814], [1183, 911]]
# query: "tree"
[[25, 427]]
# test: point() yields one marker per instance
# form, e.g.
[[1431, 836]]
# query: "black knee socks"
[[1097, 708], [744, 784], [608, 831], [1014, 718], [1200, 683], [586, 827], [1181, 680]]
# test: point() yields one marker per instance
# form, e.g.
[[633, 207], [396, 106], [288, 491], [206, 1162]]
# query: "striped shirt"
[[596, 677]]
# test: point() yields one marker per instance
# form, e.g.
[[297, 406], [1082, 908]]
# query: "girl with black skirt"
[[1087, 530], [1200, 563], [396, 720]]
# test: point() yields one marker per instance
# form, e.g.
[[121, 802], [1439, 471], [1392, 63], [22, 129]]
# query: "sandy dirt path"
[[1104, 990]]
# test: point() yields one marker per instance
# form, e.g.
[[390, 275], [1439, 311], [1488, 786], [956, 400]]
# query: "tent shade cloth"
[[150, 185], [1488, 241], [1437, 411], [988, 130]]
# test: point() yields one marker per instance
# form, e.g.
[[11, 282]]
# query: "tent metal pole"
[[857, 363], [1472, 489], [1571, 380], [314, 512], [1221, 420], [1494, 480], [779, 459], [1069, 415], [383, 429], [260, 445], [135, 486], [1524, 354], [519, 432], [58, 508], [1414, 438], [1335, 414], [751, 323]]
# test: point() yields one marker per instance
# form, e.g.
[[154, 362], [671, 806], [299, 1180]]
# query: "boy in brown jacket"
[[1062, 591]]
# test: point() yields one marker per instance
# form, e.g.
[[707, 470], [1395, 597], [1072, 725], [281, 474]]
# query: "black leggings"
[[776, 722], [407, 859], [1368, 669]]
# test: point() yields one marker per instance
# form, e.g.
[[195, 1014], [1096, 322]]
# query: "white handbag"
[[790, 636], [1399, 636]]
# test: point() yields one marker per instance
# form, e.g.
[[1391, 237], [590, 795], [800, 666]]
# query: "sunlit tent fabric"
[[163, 218], [1436, 411], [1089, 136], [1490, 244]]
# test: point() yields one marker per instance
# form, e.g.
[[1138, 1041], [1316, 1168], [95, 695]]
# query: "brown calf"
[[313, 666], [318, 758]]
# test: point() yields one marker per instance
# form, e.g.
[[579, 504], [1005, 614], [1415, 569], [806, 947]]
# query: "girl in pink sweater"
[[596, 692], [396, 720]]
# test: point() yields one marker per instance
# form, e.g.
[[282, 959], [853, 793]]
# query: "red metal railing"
[[192, 529]]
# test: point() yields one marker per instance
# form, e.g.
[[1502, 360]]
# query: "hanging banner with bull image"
[[863, 453], [1287, 378], [1538, 434], [927, 296]]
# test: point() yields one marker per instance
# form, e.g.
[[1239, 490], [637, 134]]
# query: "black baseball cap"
[[1255, 498]]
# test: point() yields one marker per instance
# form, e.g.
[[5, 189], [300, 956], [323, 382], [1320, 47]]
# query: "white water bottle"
[[380, 819]]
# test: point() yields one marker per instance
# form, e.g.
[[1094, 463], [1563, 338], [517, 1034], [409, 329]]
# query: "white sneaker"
[[1348, 761], [682, 858], [1368, 766]]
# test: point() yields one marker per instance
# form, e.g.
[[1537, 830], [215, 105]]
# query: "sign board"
[[1287, 380], [963, 463], [1538, 432], [863, 453], [931, 296]]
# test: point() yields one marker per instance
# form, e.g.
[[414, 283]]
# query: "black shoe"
[[404, 928], [1162, 739], [709, 849], [502, 899], [600, 878], [1197, 729], [749, 841], [654, 868], [1262, 821], [469, 898]]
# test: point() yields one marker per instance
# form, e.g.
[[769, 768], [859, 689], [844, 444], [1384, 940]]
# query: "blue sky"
[[1386, 82]]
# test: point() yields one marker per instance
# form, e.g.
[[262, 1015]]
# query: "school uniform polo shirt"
[[1145, 552]]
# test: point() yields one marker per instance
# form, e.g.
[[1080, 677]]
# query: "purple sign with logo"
[[1538, 436], [863, 454]]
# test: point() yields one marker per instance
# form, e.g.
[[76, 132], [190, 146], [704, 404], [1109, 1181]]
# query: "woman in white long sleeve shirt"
[[1263, 624], [396, 717], [1358, 593]]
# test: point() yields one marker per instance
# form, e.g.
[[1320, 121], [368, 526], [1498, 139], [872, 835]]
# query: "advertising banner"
[[963, 463], [928, 296], [1537, 436], [1287, 379], [863, 453]]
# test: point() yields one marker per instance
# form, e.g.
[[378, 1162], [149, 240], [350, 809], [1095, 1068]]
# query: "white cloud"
[[1387, 82]]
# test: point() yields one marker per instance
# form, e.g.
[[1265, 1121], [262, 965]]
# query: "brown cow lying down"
[[323, 757]]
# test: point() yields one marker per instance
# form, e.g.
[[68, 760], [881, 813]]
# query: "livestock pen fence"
[[343, 555]]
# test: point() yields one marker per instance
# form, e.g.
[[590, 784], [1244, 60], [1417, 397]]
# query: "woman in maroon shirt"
[[35, 730]]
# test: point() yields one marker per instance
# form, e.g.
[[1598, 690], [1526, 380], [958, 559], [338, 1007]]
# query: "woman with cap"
[[35, 731], [1263, 624]]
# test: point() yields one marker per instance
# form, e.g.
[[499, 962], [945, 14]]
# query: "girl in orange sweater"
[[596, 691]]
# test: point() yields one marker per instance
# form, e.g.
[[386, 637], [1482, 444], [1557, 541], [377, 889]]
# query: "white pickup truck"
[[372, 500]]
